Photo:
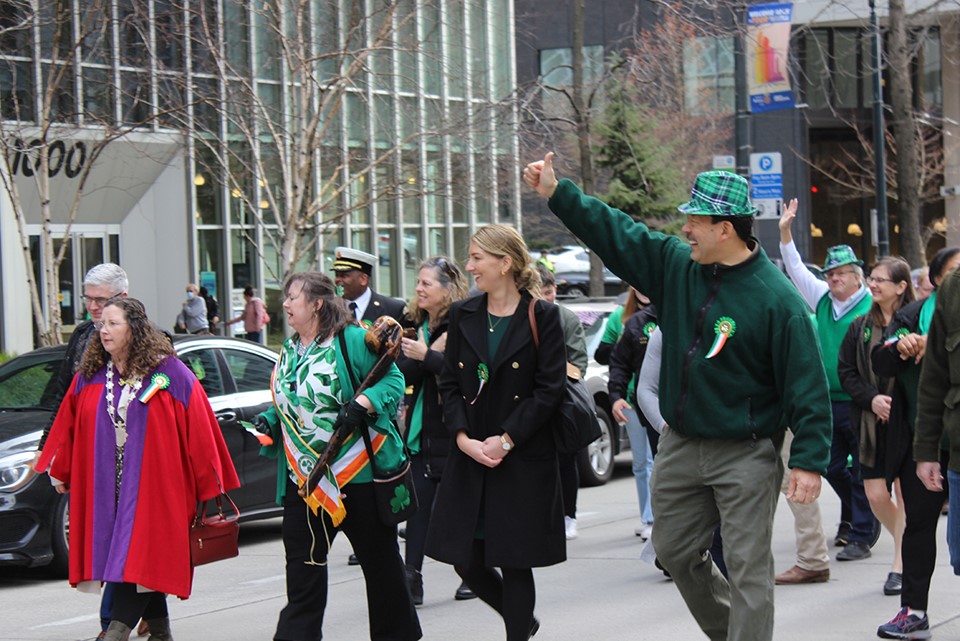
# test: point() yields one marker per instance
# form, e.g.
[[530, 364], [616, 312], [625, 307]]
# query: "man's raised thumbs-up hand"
[[540, 176]]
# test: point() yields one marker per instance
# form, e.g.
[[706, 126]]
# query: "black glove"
[[261, 424], [353, 415]]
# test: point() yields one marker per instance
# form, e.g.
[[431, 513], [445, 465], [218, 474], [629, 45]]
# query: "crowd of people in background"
[[711, 374]]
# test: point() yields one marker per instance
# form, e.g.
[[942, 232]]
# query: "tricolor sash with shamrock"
[[301, 458]]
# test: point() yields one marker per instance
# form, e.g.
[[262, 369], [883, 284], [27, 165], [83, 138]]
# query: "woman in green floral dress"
[[311, 388]]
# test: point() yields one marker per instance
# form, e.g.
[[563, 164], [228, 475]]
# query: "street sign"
[[766, 176], [767, 207], [725, 162]]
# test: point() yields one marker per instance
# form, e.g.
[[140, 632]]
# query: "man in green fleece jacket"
[[740, 362]]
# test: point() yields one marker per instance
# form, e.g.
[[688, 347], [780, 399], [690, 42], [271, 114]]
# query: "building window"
[[556, 74], [430, 47], [816, 69], [846, 76], [16, 71], [97, 95], [708, 75], [929, 85], [16, 90], [208, 186], [836, 63]]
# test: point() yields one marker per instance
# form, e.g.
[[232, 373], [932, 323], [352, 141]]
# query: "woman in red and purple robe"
[[136, 444]]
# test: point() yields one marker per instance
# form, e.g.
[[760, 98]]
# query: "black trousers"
[[390, 610], [848, 483], [513, 595], [919, 546], [129, 606], [419, 523]]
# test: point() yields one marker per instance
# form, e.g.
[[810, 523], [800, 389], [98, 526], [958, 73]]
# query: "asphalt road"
[[602, 593]]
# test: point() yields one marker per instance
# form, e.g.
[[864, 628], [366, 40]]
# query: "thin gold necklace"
[[491, 324]]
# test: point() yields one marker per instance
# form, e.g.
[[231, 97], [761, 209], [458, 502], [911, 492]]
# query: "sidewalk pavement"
[[602, 593], [605, 593]]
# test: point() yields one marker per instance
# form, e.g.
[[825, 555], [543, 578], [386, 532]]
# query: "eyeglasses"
[[877, 279], [840, 274], [109, 325], [99, 300]]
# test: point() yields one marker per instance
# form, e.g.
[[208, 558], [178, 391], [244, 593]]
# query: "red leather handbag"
[[216, 537]]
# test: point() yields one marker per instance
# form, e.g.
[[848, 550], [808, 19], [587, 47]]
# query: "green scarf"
[[926, 313]]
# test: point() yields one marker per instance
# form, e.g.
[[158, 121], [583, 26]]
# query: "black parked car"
[[577, 284], [34, 519]]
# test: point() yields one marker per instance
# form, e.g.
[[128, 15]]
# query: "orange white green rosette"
[[724, 328], [158, 382]]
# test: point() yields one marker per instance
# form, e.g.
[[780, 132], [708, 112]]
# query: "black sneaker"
[[464, 593], [893, 584], [854, 551], [905, 626], [843, 535], [415, 583]]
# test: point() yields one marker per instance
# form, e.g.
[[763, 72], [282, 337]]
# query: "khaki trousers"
[[812, 551], [697, 483]]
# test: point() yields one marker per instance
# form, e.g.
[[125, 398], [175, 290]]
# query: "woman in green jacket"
[[311, 388]]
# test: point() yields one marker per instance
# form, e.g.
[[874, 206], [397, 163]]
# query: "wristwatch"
[[505, 444]]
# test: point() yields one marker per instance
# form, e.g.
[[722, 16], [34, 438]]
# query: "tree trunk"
[[583, 135], [50, 267], [908, 154]]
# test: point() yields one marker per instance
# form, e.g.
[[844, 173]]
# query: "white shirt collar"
[[362, 302], [841, 308]]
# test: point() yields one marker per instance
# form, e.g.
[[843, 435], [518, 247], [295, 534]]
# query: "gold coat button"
[[516, 365], [516, 398], [460, 365]]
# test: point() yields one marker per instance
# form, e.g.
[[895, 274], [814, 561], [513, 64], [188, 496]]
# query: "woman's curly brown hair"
[[147, 348]]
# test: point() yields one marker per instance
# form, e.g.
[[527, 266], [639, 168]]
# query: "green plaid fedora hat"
[[838, 256], [719, 193]]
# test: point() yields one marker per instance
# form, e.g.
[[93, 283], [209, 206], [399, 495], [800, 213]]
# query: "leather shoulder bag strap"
[[533, 322], [363, 433], [346, 360], [356, 386]]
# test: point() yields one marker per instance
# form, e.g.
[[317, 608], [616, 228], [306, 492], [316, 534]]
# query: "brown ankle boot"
[[117, 631], [159, 629]]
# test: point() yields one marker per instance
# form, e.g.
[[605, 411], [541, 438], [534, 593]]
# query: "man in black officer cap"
[[352, 269]]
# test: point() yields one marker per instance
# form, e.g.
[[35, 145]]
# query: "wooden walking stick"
[[383, 339]]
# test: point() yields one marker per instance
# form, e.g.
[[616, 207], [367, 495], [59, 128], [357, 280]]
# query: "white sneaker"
[[644, 531], [571, 527]]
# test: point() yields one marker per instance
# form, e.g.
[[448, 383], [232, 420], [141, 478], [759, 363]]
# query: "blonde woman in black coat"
[[499, 505]]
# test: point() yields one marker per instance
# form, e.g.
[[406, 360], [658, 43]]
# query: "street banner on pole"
[[768, 48]]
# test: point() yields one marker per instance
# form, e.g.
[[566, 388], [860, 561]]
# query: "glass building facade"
[[385, 125]]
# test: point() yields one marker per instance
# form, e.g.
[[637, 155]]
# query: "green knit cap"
[[719, 193]]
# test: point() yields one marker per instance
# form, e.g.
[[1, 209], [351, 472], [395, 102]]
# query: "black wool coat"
[[519, 500], [422, 375], [381, 305]]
